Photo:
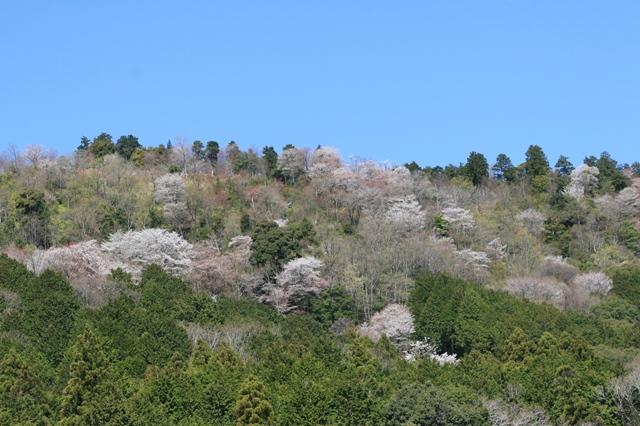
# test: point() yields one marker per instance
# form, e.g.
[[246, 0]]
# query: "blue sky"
[[406, 80]]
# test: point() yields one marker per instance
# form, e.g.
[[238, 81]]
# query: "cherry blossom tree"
[[299, 279], [458, 217], [138, 249], [583, 180], [538, 289], [593, 283], [170, 192], [406, 213], [292, 163], [395, 321]]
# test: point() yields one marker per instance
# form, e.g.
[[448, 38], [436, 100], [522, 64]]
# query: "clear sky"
[[388, 80]]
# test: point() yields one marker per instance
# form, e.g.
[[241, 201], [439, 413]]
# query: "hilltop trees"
[[477, 168], [102, 145], [126, 145], [503, 168]]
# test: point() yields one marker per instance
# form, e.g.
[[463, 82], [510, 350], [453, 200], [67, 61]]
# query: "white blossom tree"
[[292, 163], [170, 192], [395, 321], [538, 289], [299, 279], [425, 349], [84, 259], [458, 217], [476, 260], [138, 249], [593, 283], [406, 213], [583, 180]]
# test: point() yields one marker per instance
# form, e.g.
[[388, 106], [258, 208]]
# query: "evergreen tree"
[[536, 163], [84, 143], [518, 346], [270, 158], [610, 177], [198, 149], [252, 406], [591, 161], [563, 166], [22, 398], [413, 167], [211, 152], [102, 145], [126, 145], [570, 406], [477, 168], [503, 168], [87, 370]]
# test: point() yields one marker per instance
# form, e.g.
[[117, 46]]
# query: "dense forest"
[[199, 284]]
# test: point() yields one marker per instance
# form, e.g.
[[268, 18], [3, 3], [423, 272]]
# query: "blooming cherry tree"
[[138, 249], [299, 278]]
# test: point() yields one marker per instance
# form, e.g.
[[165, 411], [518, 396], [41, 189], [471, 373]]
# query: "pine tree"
[[518, 346], [201, 355], [270, 158], [252, 406], [198, 149], [536, 163], [84, 143], [563, 166], [87, 371], [211, 152], [22, 399], [477, 168], [503, 168]]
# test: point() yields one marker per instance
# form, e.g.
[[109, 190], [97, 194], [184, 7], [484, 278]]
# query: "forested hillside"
[[193, 284]]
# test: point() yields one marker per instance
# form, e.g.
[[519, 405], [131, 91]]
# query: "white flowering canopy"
[[138, 249], [459, 217], [406, 213], [395, 321], [299, 278], [593, 282], [583, 180]]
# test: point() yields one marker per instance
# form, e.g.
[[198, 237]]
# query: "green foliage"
[[197, 148], [126, 145], [630, 236], [273, 245], [252, 406], [22, 395], [563, 166], [441, 226], [477, 168], [503, 168], [536, 163], [418, 404], [334, 304], [87, 370], [245, 223], [102, 145], [626, 283], [211, 152], [47, 310], [270, 157], [610, 178]]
